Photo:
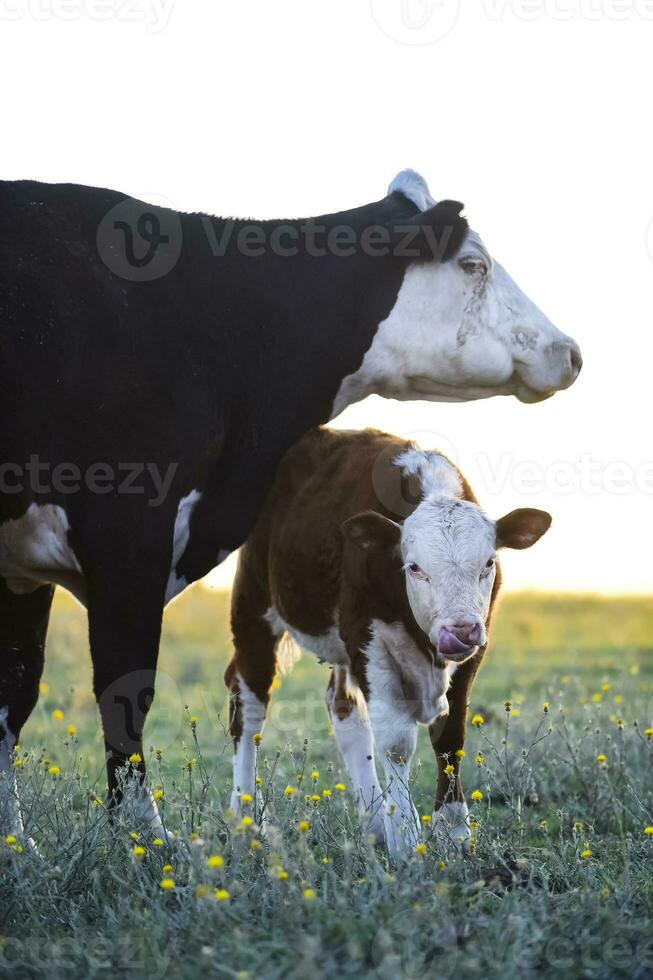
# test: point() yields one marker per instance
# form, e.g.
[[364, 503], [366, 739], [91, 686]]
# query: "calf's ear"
[[370, 530], [522, 528], [430, 236]]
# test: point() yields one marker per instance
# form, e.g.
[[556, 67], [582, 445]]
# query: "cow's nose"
[[576, 359], [469, 633]]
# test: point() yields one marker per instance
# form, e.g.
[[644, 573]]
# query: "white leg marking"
[[138, 805], [395, 734], [11, 821], [252, 713], [356, 743], [451, 824]]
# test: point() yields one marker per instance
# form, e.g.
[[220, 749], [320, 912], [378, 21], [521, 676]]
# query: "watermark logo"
[[415, 22], [153, 14], [139, 242]]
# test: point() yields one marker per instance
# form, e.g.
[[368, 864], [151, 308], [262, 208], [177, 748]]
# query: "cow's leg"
[[23, 627], [126, 591], [351, 727], [249, 678], [450, 814], [395, 736]]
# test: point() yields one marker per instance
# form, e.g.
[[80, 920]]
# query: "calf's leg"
[[351, 727], [23, 627], [450, 813], [395, 735], [249, 678]]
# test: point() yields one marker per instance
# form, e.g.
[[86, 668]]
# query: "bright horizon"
[[564, 200]]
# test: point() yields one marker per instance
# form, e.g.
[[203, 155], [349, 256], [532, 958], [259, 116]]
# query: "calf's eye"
[[489, 565]]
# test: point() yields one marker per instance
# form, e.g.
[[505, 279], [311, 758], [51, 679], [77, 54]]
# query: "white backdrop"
[[536, 113]]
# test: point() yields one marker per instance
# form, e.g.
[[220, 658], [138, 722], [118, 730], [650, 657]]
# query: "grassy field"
[[559, 881]]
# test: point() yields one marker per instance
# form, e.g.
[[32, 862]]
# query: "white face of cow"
[[462, 330], [449, 549]]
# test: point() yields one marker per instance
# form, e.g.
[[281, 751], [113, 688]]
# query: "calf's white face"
[[462, 330], [449, 549]]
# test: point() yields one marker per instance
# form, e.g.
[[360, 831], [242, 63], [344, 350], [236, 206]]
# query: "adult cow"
[[154, 368]]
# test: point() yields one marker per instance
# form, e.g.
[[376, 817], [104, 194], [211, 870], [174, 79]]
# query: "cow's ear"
[[430, 236], [522, 528], [370, 530]]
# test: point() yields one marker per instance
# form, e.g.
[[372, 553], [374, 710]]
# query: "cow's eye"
[[416, 571], [473, 267]]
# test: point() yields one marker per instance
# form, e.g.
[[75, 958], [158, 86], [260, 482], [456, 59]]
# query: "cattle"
[[375, 556], [155, 366]]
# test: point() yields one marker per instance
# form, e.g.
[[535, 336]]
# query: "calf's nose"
[[469, 633]]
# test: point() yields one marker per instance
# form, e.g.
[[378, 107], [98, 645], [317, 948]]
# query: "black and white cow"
[[154, 368]]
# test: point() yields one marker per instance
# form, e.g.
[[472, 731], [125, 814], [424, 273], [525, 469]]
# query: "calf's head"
[[447, 551], [460, 328]]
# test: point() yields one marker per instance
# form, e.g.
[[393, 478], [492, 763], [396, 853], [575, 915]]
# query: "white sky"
[[540, 123]]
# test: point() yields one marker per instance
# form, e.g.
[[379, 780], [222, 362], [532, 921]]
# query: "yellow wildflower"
[[257, 738], [135, 758], [516, 712], [158, 794], [420, 849], [326, 793], [167, 868], [44, 687], [478, 720], [648, 732], [167, 884], [596, 698], [255, 845], [138, 851], [201, 891], [246, 798], [426, 818], [634, 670], [618, 699], [341, 786], [480, 759], [276, 684], [315, 798], [289, 791], [54, 771], [57, 714], [303, 826], [586, 854], [10, 839], [460, 753], [309, 894], [245, 822], [315, 774], [449, 769], [649, 831], [72, 730], [601, 758], [222, 895], [476, 795], [157, 842]]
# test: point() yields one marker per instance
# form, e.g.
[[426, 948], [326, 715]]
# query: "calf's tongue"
[[450, 645]]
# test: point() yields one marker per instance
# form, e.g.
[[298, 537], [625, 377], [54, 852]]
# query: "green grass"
[[524, 902]]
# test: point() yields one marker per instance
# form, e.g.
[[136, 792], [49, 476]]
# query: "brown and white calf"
[[375, 556]]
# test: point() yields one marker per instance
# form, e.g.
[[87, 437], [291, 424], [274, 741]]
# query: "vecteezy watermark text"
[[128, 478], [154, 14]]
